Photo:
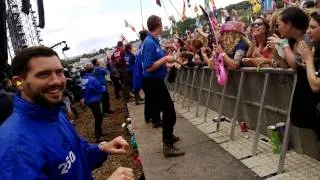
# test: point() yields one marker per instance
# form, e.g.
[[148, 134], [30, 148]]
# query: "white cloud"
[[88, 25]]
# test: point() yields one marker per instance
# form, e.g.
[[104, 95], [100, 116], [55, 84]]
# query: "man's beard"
[[41, 100]]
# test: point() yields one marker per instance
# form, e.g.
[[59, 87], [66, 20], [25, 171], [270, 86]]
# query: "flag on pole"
[[207, 5], [158, 2], [184, 17], [172, 19], [196, 9], [129, 26], [214, 15], [189, 5], [126, 23], [123, 38]]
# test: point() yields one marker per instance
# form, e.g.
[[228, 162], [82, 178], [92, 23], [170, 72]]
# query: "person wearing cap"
[[92, 93], [155, 71], [233, 44]]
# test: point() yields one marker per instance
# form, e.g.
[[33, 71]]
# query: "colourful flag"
[[207, 5], [196, 9], [184, 17], [172, 19], [214, 15], [158, 2], [129, 26], [123, 38], [126, 23]]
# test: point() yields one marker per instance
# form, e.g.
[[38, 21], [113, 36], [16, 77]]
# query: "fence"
[[244, 98]]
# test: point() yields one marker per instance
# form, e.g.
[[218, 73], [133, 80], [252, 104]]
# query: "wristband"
[[101, 144], [284, 43]]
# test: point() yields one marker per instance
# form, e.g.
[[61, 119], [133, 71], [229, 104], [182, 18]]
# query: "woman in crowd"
[[278, 58], [292, 24], [233, 44], [311, 58], [259, 54]]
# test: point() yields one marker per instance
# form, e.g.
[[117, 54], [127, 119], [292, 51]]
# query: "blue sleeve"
[[99, 87], [95, 86], [95, 157], [149, 55], [21, 159]]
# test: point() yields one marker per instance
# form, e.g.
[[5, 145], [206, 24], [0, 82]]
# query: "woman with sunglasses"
[[259, 54]]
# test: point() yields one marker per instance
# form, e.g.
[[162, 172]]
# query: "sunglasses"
[[257, 24]]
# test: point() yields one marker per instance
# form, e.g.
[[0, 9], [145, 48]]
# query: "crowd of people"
[[38, 98]]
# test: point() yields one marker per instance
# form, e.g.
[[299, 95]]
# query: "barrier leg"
[[285, 139], [191, 88], [199, 92], [208, 97], [185, 88], [221, 106], [259, 121], [180, 84], [236, 108], [175, 85]]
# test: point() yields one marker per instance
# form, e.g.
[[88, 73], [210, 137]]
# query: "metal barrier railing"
[[237, 98]]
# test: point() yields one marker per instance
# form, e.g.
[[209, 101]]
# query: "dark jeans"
[[98, 118], [125, 81], [159, 100], [116, 85], [147, 106], [105, 103]]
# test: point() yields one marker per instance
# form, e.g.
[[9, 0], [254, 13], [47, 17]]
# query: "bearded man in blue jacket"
[[37, 141]]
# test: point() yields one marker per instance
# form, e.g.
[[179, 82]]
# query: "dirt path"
[[111, 128]]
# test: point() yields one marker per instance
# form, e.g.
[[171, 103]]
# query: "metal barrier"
[[238, 98]]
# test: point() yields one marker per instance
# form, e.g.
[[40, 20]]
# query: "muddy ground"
[[111, 128]]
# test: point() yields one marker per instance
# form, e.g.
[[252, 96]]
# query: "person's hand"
[[117, 146], [197, 59], [274, 39], [218, 49], [122, 173], [253, 43], [252, 61], [305, 51]]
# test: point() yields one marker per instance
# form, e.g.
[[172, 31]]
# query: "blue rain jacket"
[[100, 73], [152, 52], [40, 143], [138, 71], [92, 89]]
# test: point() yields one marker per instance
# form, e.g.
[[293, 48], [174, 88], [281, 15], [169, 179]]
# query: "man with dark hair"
[[154, 71], [37, 141], [100, 73]]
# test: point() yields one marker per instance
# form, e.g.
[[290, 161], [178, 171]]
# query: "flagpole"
[[175, 9], [141, 14]]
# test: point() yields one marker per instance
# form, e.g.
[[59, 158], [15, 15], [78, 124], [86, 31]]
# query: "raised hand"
[[117, 146]]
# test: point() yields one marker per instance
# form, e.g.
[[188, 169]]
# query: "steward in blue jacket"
[[37, 140], [92, 93], [100, 73], [92, 89], [40, 143]]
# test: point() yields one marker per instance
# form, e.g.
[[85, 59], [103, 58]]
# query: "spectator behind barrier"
[[233, 44], [311, 57], [259, 54]]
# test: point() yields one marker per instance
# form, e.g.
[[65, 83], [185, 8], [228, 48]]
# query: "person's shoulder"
[[242, 45]]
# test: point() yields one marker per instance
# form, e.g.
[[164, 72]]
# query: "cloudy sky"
[[91, 25]]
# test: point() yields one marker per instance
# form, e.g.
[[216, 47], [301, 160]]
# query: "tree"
[[101, 51]]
